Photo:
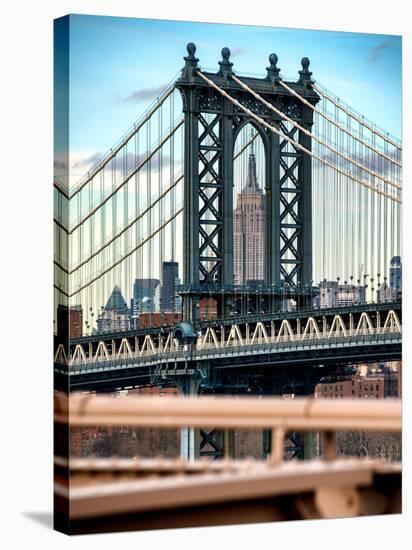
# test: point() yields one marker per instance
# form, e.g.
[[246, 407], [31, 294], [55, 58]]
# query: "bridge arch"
[[257, 127]]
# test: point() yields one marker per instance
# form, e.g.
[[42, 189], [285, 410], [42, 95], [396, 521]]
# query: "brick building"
[[126, 441], [83, 440], [70, 321], [157, 319], [360, 387], [371, 382]]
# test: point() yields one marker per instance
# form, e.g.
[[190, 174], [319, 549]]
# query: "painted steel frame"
[[212, 124]]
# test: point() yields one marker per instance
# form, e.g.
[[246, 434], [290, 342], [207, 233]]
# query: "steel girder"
[[212, 123]]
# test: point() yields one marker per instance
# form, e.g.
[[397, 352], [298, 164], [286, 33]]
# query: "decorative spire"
[[273, 71], [305, 74], [225, 64], [190, 61], [191, 50], [251, 186]]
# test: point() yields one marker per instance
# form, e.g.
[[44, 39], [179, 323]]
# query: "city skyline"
[[116, 315], [116, 237]]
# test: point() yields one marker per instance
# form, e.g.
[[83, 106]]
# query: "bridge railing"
[[279, 339], [237, 344], [102, 489], [278, 414]]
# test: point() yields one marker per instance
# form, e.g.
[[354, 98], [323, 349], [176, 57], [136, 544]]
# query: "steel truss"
[[318, 328], [212, 124]]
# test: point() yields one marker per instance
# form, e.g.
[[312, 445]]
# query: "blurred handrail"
[[229, 412]]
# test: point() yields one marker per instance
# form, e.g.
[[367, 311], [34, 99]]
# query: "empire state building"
[[249, 218]]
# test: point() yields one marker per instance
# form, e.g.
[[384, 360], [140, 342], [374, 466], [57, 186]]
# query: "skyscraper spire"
[[251, 184], [249, 229]]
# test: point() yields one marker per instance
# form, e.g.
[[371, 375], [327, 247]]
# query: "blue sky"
[[117, 64]]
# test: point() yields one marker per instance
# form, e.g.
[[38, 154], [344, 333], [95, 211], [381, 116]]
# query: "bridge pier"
[[311, 445], [189, 445], [300, 445]]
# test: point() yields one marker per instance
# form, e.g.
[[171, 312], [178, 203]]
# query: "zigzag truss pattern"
[[236, 336]]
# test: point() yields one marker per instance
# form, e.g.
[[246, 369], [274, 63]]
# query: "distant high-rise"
[[116, 302], [333, 294], [178, 298], [395, 274], [146, 294], [386, 294], [249, 220], [328, 294], [170, 276]]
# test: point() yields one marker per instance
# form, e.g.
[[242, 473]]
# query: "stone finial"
[[273, 70], [191, 50], [305, 74], [190, 61], [225, 64]]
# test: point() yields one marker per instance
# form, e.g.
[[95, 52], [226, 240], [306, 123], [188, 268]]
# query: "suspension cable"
[[129, 253], [130, 224], [290, 140], [61, 225], [138, 216], [57, 287], [342, 128], [129, 176], [308, 133], [355, 117], [59, 185], [245, 146], [113, 152]]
